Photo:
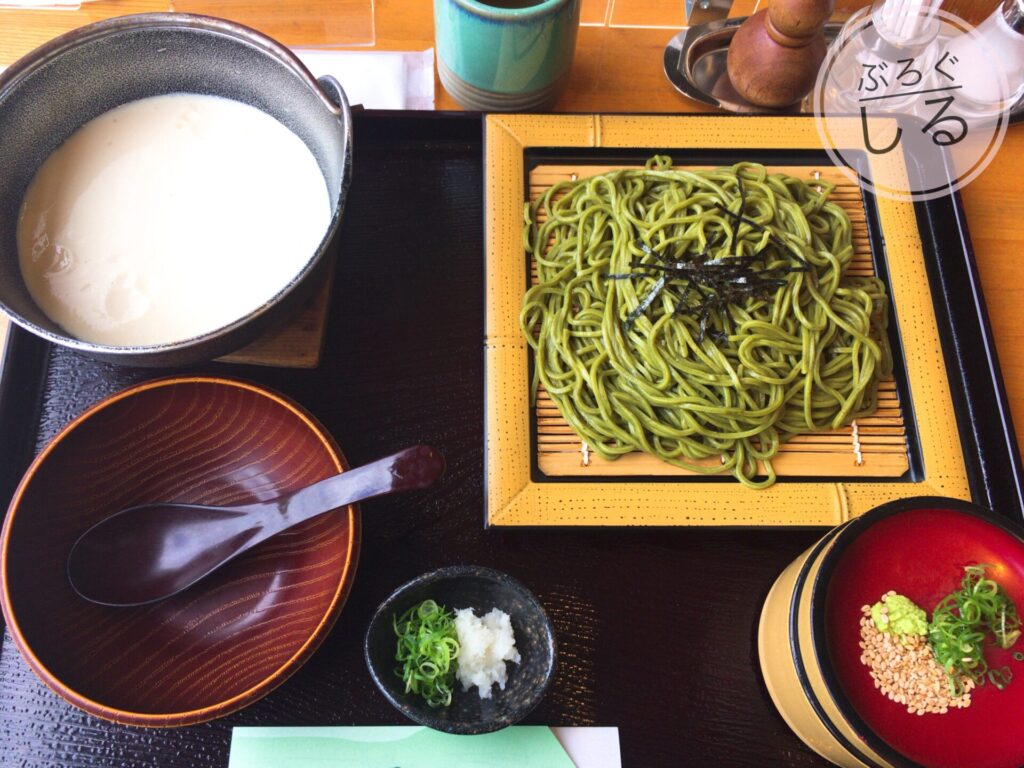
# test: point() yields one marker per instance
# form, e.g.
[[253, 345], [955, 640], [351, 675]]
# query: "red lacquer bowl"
[[919, 550], [228, 640]]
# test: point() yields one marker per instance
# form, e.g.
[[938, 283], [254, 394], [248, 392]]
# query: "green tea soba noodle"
[[696, 314]]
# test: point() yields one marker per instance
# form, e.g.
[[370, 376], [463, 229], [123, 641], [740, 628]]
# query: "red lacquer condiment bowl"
[[228, 640], [809, 637]]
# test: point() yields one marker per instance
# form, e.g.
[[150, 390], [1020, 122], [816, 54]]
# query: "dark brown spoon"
[[152, 551]]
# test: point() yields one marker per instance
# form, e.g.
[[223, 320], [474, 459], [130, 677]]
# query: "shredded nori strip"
[[724, 280]]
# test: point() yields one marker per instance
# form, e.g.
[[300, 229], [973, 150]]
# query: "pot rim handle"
[[334, 96]]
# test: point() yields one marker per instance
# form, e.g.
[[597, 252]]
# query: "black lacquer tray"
[[640, 648]]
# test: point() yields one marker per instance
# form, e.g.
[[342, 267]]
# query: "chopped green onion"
[[1000, 678], [959, 625], [427, 648]]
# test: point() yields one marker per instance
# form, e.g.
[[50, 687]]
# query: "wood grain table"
[[620, 598], [616, 69]]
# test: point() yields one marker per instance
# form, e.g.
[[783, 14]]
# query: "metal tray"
[[695, 59]]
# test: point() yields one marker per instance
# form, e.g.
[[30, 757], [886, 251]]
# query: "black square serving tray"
[[639, 648]]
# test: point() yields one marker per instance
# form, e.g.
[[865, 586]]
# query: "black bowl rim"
[[819, 591], [444, 574], [85, 35]]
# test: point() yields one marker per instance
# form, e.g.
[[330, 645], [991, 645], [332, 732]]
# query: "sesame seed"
[[904, 669]]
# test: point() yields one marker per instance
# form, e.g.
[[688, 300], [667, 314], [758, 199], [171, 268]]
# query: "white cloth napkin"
[[377, 79]]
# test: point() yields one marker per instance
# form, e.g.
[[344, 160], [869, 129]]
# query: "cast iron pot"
[[58, 87]]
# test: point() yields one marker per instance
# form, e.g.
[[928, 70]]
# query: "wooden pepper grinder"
[[775, 55]]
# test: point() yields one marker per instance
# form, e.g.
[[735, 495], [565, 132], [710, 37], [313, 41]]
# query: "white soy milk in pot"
[[169, 217]]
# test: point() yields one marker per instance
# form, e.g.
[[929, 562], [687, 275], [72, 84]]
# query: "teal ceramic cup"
[[498, 58]]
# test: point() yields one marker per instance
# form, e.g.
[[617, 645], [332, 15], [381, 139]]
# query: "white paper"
[[377, 79], [584, 746], [590, 747]]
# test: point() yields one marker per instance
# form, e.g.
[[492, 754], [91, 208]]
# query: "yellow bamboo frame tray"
[[538, 470]]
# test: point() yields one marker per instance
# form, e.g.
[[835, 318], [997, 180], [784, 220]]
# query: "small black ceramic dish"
[[468, 586]]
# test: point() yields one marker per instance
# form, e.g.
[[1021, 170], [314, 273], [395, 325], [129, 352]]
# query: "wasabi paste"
[[899, 617]]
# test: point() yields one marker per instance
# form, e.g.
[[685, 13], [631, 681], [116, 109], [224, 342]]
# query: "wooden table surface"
[[616, 69]]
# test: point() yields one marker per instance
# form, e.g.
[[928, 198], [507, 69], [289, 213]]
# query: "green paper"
[[524, 746]]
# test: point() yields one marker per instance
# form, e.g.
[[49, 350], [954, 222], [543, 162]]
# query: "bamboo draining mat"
[[877, 450], [519, 493]]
